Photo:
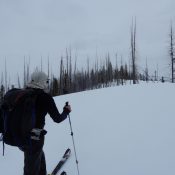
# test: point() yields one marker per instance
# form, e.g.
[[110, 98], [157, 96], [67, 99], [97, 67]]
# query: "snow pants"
[[34, 164], [34, 159]]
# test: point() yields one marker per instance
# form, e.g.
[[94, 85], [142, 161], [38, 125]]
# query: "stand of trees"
[[71, 79]]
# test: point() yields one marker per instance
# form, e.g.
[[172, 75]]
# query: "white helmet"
[[39, 80]]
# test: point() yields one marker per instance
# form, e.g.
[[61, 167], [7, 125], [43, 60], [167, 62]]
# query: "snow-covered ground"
[[124, 130]]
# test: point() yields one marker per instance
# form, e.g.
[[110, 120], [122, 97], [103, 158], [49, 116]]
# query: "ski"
[[63, 173], [61, 163]]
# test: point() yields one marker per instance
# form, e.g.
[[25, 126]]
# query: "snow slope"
[[124, 130]]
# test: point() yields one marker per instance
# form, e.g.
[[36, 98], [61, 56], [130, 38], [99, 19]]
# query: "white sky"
[[42, 28]]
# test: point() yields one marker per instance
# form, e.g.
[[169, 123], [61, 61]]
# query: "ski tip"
[[68, 151], [63, 173]]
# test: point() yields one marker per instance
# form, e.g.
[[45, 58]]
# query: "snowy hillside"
[[124, 130]]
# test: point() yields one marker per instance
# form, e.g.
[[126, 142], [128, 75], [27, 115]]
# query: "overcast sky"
[[91, 28]]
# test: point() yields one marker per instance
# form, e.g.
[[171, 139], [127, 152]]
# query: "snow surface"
[[124, 130]]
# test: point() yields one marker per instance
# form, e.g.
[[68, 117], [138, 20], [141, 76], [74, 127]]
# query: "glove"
[[67, 108]]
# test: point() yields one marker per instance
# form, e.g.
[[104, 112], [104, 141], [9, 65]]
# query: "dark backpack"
[[18, 116], [1, 123]]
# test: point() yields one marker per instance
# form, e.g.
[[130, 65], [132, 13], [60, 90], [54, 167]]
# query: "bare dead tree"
[[2, 78], [2, 92], [96, 73], [172, 53], [116, 71], [75, 83], [70, 70], [48, 71], [2, 88], [41, 64], [28, 71], [133, 52], [6, 88], [61, 76], [25, 81], [67, 61], [18, 79], [48, 67], [122, 71], [146, 72]]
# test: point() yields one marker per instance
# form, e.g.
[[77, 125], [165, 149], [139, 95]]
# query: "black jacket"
[[45, 104]]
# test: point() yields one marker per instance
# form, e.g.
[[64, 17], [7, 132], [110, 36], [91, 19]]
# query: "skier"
[[34, 158]]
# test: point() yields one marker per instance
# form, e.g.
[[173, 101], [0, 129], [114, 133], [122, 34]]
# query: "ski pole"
[[72, 134]]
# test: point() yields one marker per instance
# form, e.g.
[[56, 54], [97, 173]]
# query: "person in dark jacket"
[[34, 158]]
